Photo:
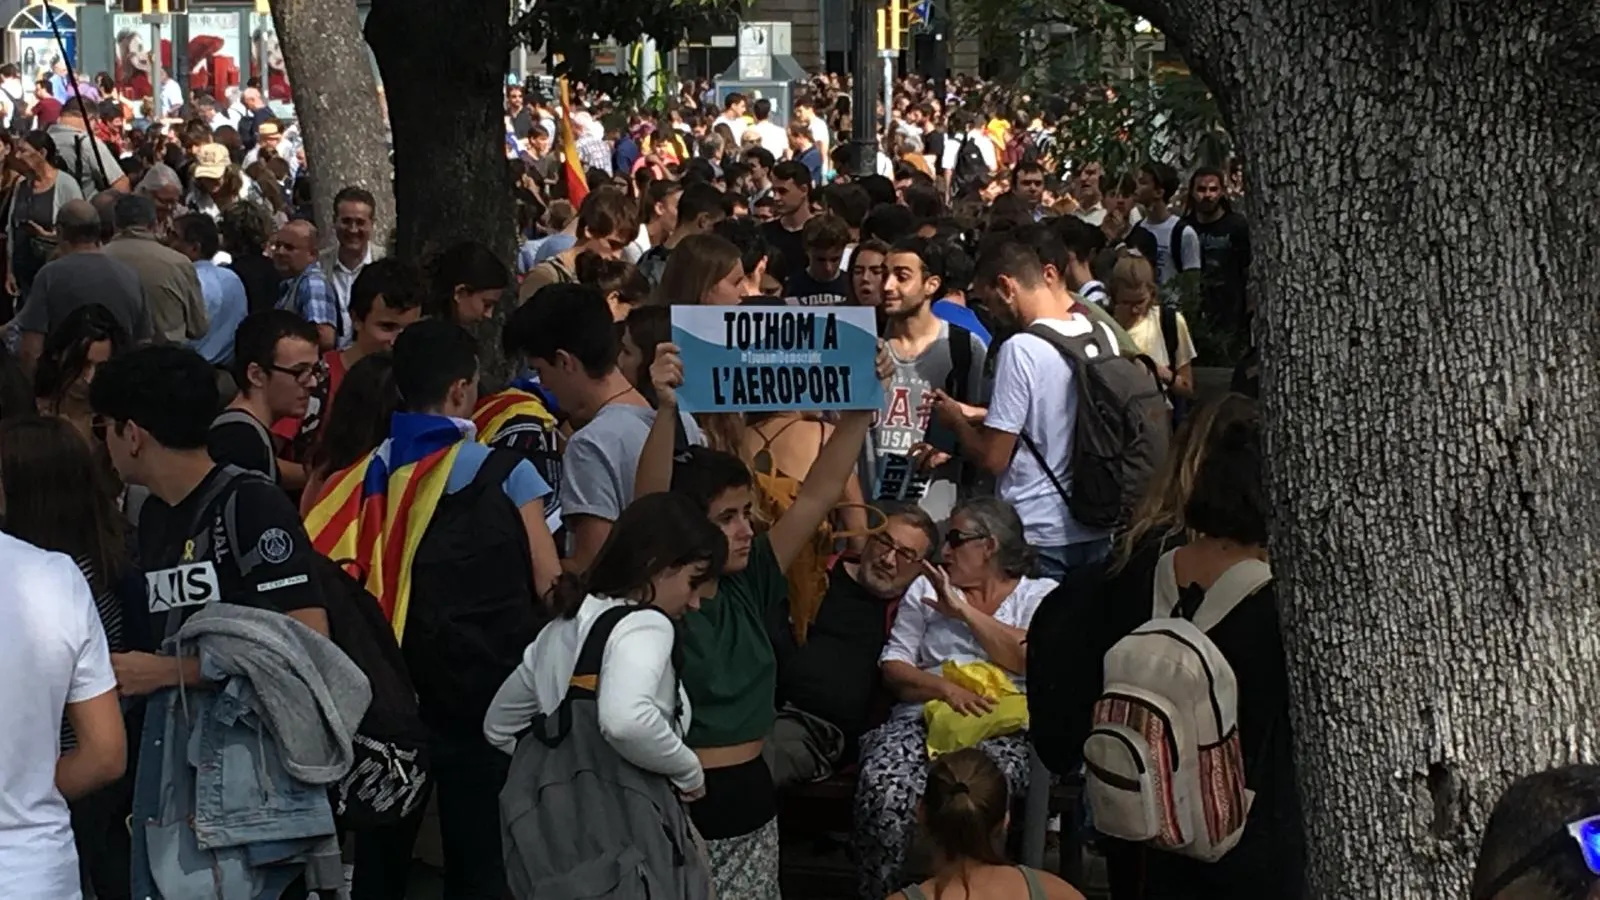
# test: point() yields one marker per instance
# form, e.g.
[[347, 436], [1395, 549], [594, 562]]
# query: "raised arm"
[[822, 488], [655, 460], [828, 478]]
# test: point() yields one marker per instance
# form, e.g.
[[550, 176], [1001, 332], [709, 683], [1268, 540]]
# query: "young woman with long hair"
[[52, 496], [663, 553], [87, 338], [357, 422], [965, 810], [1216, 509], [1136, 305], [703, 270]]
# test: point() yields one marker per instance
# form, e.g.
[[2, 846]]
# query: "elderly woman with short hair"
[[974, 607], [165, 189]]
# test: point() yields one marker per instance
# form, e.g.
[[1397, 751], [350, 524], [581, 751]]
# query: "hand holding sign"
[[883, 364], [666, 374]]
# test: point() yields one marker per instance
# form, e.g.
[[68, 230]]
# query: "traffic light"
[[890, 23], [155, 7]]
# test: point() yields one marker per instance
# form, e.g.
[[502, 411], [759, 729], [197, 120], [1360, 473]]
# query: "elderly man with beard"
[[830, 690]]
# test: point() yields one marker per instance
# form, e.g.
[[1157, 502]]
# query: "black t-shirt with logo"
[[236, 539]]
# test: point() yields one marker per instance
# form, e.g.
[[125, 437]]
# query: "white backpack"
[[1163, 759]]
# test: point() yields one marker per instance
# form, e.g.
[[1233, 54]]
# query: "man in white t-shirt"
[[53, 662], [1177, 244], [1033, 394], [806, 114], [774, 137], [733, 116]]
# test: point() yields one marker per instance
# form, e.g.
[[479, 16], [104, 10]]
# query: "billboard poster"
[[130, 56], [215, 54], [264, 47]]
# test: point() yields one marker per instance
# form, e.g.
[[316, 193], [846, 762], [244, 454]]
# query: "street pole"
[[863, 95], [888, 90], [181, 67], [888, 51]]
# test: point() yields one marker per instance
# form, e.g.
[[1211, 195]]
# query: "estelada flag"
[[374, 513], [572, 164]]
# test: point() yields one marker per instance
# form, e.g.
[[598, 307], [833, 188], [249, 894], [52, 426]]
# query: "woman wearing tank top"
[[965, 811]]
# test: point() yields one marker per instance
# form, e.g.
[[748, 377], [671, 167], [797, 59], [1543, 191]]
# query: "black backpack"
[[1122, 430], [970, 169], [390, 774], [473, 608]]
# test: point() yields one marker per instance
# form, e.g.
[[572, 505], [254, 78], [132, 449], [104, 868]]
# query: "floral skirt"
[[746, 867], [893, 772]]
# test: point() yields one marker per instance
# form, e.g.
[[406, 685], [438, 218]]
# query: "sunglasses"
[[1584, 832], [955, 537]]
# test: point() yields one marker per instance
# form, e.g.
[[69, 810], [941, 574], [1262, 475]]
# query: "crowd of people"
[[289, 569]]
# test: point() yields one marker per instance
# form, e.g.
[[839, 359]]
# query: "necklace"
[[611, 399]]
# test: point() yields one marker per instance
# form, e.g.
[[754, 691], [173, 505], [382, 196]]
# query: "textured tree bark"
[[336, 101], [444, 71], [446, 108], [1420, 172]]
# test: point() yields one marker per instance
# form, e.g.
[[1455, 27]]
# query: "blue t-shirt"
[[522, 486], [811, 158], [956, 314]]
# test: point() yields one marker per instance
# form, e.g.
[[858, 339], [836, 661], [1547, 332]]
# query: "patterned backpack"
[[1163, 758]]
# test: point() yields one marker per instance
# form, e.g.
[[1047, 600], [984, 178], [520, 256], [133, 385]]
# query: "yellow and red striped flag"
[[572, 164], [374, 513]]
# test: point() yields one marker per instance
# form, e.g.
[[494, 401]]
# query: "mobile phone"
[[941, 437]]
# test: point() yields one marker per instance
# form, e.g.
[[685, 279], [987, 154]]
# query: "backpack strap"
[[1242, 579], [240, 417], [585, 681], [496, 468], [960, 364], [1074, 350], [224, 479], [1169, 334], [586, 673], [1036, 889]]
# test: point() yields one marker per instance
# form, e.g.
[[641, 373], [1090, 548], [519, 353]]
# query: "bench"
[[819, 811]]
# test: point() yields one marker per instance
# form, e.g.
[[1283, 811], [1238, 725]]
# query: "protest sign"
[[776, 358]]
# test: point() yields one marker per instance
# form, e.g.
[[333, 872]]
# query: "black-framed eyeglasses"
[[904, 555], [1584, 832], [955, 537], [306, 375]]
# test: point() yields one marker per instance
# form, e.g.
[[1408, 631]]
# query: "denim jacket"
[[218, 817], [217, 813]]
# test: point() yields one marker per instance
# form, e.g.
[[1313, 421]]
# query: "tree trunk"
[[1427, 278], [336, 102], [446, 109]]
